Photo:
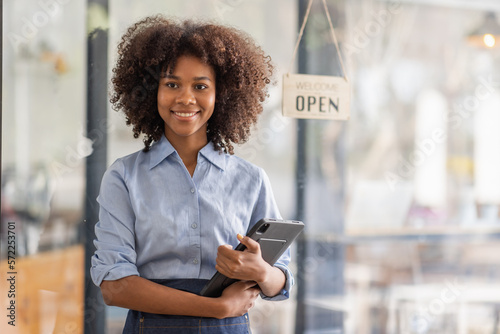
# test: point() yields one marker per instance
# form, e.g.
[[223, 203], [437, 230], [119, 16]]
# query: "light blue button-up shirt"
[[158, 222]]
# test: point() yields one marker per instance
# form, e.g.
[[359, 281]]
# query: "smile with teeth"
[[184, 114]]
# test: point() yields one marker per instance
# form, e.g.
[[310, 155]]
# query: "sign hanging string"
[[301, 32]]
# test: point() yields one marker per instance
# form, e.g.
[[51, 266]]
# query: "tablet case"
[[274, 237]]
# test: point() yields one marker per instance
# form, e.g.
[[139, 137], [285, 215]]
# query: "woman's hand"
[[250, 266], [247, 265], [239, 298]]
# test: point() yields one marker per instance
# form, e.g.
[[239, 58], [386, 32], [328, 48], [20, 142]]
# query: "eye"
[[200, 87], [171, 85]]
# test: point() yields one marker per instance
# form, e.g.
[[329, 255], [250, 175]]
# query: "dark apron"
[[148, 323]]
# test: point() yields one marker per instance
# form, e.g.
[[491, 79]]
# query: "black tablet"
[[274, 237]]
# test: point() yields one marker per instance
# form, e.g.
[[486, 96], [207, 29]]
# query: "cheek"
[[160, 96], [162, 105], [210, 101], [162, 99]]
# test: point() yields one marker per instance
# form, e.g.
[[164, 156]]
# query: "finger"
[[221, 269], [255, 293], [256, 290], [252, 245], [224, 250], [221, 266], [248, 285], [225, 247]]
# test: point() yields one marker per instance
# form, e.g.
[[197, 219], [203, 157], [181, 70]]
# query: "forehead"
[[190, 66]]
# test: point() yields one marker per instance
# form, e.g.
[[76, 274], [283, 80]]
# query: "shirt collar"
[[162, 149], [215, 157]]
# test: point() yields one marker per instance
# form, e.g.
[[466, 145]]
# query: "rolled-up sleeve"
[[115, 255], [266, 208]]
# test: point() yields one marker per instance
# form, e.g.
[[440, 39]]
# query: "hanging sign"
[[315, 97]]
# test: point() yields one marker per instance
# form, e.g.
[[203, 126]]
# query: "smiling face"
[[186, 100]]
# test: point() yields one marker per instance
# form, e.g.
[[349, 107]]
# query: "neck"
[[188, 148]]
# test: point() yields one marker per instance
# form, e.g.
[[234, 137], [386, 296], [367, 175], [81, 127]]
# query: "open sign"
[[316, 97]]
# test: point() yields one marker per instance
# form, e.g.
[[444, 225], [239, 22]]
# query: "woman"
[[171, 214]]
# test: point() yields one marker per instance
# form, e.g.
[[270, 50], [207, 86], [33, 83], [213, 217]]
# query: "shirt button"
[[192, 190], [194, 225], [195, 261]]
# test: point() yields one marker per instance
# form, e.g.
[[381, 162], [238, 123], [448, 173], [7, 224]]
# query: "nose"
[[185, 97]]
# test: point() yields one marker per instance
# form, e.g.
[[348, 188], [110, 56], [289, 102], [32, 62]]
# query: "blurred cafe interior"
[[400, 200]]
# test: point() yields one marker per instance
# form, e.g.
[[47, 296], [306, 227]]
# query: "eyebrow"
[[170, 76]]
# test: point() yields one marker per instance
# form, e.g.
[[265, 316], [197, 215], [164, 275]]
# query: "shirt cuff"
[[112, 273], [285, 292]]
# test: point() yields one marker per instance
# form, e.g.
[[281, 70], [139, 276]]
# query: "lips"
[[184, 114]]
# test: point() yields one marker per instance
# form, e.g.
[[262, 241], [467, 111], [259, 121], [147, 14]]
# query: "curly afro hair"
[[153, 44]]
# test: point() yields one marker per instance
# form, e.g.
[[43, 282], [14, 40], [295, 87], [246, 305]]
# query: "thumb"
[[252, 245]]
